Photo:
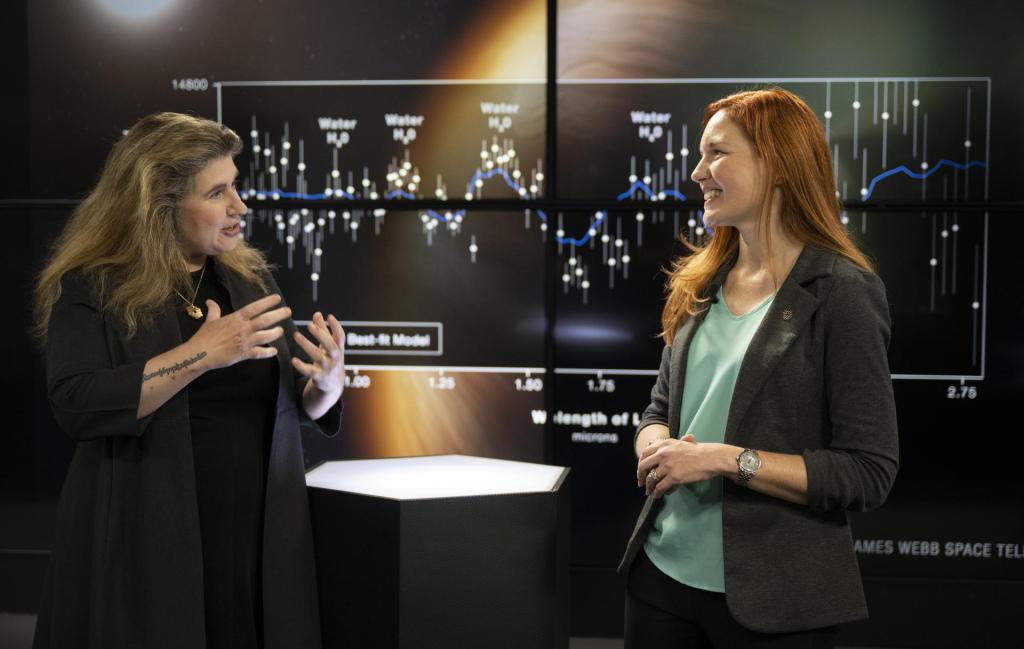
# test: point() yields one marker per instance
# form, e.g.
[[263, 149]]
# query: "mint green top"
[[685, 541]]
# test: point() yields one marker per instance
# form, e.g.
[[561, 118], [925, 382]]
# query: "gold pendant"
[[194, 312]]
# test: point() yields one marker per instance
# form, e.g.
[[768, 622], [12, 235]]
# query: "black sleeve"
[[330, 423], [90, 396]]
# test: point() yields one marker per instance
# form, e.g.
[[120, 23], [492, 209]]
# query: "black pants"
[[661, 612]]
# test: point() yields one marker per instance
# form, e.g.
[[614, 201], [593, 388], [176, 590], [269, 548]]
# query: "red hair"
[[788, 137]]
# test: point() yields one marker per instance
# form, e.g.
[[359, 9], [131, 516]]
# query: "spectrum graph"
[[906, 141], [913, 139], [387, 140], [609, 262]]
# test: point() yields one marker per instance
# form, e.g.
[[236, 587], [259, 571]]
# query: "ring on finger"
[[653, 475]]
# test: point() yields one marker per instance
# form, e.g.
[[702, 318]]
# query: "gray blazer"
[[815, 381]]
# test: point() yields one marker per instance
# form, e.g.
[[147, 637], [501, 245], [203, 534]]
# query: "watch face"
[[750, 461]]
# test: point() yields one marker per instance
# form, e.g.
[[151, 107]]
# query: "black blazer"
[[815, 381], [126, 569]]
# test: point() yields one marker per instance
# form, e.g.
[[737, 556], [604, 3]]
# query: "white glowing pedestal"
[[438, 551]]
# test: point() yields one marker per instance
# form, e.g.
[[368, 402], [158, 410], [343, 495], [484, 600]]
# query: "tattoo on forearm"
[[177, 367]]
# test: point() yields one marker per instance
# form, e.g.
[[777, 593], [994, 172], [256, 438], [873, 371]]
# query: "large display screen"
[[520, 320]]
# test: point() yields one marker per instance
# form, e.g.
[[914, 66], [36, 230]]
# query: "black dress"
[[231, 413]]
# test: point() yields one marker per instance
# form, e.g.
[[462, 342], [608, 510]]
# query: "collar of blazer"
[[796, 301]]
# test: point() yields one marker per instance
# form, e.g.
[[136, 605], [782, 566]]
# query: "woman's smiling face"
[[730, 174]]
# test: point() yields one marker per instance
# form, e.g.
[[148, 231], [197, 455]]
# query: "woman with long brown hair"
[[173, 364], [773, 414]]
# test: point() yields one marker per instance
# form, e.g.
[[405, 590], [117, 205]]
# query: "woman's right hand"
[[244, 334]]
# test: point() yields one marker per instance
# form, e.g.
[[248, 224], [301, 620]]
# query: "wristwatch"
[[748, 462]]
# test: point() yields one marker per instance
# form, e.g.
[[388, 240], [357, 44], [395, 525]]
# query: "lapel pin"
[[787, 315]]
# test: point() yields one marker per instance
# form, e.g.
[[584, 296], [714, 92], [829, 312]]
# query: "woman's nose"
[[700, 172]]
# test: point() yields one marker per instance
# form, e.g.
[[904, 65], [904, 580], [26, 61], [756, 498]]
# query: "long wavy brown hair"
[[790, 140], [124, 236]]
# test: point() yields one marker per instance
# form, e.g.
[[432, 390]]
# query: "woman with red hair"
[[773, 414]]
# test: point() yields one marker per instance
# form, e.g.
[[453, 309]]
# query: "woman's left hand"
[[327, 367], [668, 463]]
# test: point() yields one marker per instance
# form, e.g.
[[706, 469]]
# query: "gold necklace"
[[191, 309]]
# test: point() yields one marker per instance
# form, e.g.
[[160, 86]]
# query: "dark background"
[[68, 93]]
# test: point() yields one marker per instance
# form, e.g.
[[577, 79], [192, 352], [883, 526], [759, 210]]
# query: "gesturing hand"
[[326, 368], [246, 333]]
